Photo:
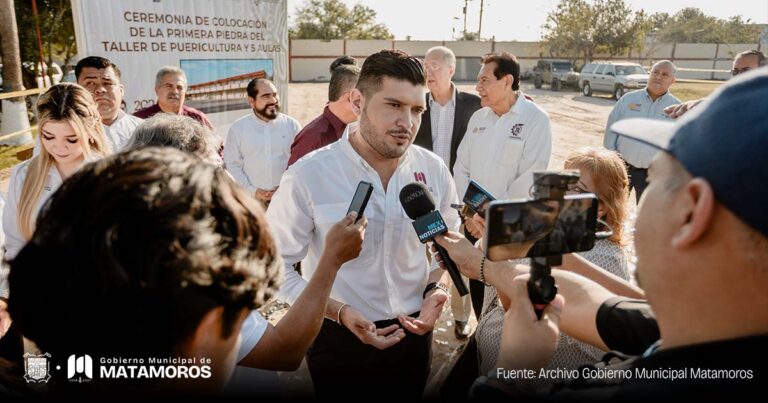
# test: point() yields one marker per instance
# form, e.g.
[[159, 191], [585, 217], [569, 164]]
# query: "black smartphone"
[[360, 199], [477, 198], [531, 228]]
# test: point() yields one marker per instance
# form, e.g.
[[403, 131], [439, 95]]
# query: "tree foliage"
[[57, 30], [577, 29], [332, 19], [691, 25], [580, 30]]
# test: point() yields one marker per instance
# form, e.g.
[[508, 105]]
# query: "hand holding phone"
[[477, 198], [531, 228], [360, 199]]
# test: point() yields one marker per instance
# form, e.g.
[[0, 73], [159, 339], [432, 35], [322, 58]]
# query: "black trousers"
[[342, 366], [637, 180]]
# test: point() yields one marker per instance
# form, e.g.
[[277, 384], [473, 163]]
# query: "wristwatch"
[[431, 286]]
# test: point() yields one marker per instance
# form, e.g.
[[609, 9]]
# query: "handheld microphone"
[[428, 223]]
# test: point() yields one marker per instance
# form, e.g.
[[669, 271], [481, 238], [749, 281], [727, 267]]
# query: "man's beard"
[[376, 140], [266, 113]]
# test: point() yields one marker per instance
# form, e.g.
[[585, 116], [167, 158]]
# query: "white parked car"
[[612, 78]]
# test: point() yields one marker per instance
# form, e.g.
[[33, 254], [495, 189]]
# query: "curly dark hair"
[[132, 252]]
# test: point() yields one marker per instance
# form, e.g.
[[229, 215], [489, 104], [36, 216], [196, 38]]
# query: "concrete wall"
[[309, 59]]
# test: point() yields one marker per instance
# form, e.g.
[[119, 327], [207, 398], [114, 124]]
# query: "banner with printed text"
[[220, 44]]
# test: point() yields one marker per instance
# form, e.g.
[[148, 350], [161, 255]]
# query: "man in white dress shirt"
[[258, 145], [507, 140], [378, 329], [102, 78]]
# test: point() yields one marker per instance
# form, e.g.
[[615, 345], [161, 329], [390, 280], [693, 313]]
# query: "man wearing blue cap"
[[702, 245]]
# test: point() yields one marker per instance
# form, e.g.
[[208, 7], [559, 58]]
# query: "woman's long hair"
[[609, 175], [69, 103]]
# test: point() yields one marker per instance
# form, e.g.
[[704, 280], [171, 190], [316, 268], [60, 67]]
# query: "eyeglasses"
[[736, 72]]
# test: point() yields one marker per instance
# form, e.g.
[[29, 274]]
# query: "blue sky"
[[200, 71]]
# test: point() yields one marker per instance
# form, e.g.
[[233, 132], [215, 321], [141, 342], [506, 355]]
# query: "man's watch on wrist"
[[431, 286]]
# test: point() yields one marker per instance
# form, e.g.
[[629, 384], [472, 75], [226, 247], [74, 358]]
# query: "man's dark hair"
[[253, 87], [96, 62], [133, 251], [761, 59], [389, 63], [344, 74], [506, 63], [343, 61]]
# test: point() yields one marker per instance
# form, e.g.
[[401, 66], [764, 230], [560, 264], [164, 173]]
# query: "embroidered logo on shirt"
[[420, 177], [516, 129], [634, 106], [478, 130]]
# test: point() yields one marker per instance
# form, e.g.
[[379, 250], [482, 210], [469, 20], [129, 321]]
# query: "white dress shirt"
[[441, 118], [121, 130], [636, 104], [389, 276], [501, 152], [256, 152]]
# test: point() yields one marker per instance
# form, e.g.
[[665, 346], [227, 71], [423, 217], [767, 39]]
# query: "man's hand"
[[675, 111], [366, 331], [526, 341], [344, 240], [463, 253], [475, 226], [431, 309], [5, 318]]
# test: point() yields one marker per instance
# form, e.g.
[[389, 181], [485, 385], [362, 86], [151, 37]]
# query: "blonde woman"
[[70, 135], [603, 173]]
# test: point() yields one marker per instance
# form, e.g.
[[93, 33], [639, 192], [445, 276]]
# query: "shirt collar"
[[648, 95], [516, 109], [451, 102], [265, 123], [334, 120]]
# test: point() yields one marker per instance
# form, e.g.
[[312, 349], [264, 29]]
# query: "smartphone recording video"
[[532, 228]]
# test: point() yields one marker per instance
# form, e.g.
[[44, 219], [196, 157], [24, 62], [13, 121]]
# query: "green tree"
[[57, 30], [332, 19], [569, 30], [577, 29], [691, 25]]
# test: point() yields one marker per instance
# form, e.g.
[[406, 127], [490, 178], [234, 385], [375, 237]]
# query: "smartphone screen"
[[477, 198], [518, 229], [360, 199]]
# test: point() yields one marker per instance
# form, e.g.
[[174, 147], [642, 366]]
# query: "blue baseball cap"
[[724, 140]]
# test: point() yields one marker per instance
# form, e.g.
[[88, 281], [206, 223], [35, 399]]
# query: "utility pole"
[[464, 33], [480, 28]]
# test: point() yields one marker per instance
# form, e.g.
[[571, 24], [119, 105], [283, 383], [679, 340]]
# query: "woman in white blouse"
[[71, 135]]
